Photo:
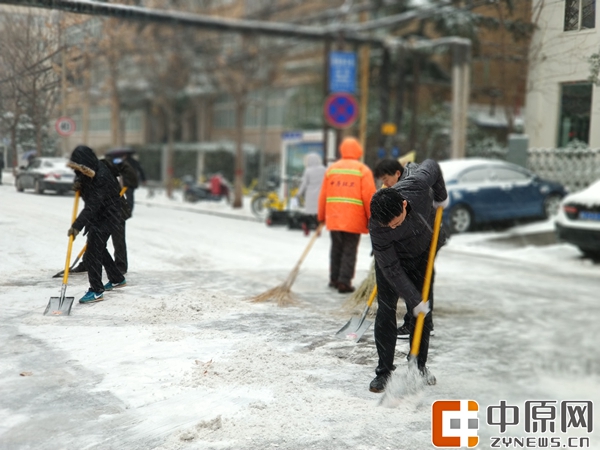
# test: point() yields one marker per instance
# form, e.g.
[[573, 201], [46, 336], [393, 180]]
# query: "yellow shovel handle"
[[372, 296], [71, 238], [416, 343]]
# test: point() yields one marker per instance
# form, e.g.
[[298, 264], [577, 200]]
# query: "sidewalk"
[[158, 197]]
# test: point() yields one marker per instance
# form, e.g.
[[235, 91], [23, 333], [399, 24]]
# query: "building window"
[[100, 118], [133, 121], [575, 112], [580, 15]]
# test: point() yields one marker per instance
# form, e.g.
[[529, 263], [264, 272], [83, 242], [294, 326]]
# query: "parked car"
[[45, 174], [578, 220], [487, 191]]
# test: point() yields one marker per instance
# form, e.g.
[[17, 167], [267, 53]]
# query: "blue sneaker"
[[91, 297], [110, 286]]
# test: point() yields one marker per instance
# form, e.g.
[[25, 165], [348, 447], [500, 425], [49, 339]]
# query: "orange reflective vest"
[[345, 198]]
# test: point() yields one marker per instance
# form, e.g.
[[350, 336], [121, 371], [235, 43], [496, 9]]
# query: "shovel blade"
[[56, 307], [353, 329]]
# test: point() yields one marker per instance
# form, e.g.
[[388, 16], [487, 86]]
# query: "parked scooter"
[[193, 192]]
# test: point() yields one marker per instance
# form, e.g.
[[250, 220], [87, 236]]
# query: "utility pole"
[[63, 84], [364, 91], [460, 98], [326, 51]]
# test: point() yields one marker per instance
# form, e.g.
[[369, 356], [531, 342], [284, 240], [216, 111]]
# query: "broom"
[[282, 293], [362, 293]]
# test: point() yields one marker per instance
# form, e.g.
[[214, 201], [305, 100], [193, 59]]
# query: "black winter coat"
[[99, 190], [420, 185]]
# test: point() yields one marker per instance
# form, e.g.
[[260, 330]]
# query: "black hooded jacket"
[[420, 185], [99, 190]]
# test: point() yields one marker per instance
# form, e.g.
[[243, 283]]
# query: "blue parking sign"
[[342, 72]]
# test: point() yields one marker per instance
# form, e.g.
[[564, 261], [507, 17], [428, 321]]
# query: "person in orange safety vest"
[[344, 207]]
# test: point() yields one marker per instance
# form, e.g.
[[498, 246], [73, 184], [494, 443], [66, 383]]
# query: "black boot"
[[379, 382]]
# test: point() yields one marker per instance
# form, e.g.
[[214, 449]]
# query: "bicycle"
[[264, 201]]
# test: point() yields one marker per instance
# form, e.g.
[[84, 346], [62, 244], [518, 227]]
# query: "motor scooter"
[[193, 192]]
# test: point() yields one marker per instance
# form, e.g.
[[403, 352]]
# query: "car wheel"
[[551, 205], [461, 219], [38, 187], [19, 185]]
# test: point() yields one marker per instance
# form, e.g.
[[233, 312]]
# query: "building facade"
[[563, 107]]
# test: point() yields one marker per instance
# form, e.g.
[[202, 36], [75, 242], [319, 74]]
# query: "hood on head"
[[313, 160], [350, 148], [84, 160]]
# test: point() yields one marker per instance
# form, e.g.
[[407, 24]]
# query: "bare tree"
[[28, 46], [247, 66]]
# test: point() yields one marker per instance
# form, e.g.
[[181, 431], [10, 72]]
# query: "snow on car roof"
[[452, 167]]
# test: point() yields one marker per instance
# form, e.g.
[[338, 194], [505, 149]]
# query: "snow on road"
[[179, 359]]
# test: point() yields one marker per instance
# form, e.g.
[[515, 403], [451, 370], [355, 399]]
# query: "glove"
[[76, 186], [422, 307], [73, 232], [443, 204]]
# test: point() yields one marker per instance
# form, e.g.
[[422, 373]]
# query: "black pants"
[[342, 258], [97, 256], [130, 197], [120, 245], [385, 322]]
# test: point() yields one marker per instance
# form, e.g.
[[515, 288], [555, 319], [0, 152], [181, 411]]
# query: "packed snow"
[[181, 359]]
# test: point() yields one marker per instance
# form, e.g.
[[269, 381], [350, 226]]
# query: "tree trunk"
[[240, 109], [13, 144], [384, 95], [170, 150], [115, 112], [414, 123]]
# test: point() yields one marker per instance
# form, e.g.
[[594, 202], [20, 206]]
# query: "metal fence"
[[575, 168]]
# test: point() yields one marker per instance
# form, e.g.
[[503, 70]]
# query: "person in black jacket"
[[100, 217], [120, 171], [389, 171], [129, 179], [401, 229]]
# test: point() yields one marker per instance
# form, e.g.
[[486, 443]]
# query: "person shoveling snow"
[[401, 228]]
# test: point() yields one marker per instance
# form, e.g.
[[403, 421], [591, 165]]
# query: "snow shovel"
[[356, 327], [62, 272], [61, 306]]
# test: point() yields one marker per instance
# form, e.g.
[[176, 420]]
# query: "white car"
[[45, 174], [578, 220]]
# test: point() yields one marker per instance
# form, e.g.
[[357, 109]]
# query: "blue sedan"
[[486, 191]]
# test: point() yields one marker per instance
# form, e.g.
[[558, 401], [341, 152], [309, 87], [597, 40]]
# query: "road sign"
[[342, 72], [388, 129], [341, 110], [65, 126]]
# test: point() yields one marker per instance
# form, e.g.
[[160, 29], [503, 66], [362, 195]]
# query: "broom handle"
[[310, 244], [416, 343]]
